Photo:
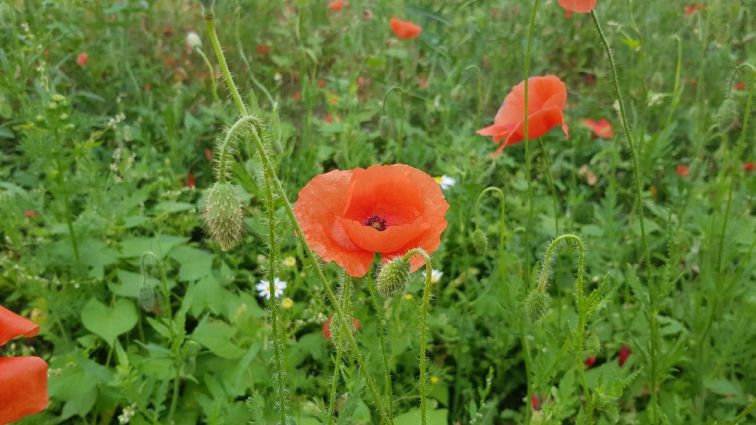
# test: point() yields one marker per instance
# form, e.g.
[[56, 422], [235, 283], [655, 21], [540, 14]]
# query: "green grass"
[[143, 316]]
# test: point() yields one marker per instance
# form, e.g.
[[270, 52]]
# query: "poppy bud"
[[480, 241], [208, 7], [393, 277], [193, 40], [386, 127], [536, 305], [727, 113], [224, 216], [148, 299]]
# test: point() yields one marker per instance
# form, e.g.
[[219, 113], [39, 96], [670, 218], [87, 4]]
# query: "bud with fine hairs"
[[536, 305], [393, 277], [224, 217], [480, 241]]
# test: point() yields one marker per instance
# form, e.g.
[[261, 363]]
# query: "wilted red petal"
[[404, 29], [12, 325], [23, 387], [191, 181], [578, 6], [601, 128]]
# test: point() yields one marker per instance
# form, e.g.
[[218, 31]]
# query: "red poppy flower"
[[601, 128], [589, 361], [624, 353], [349, 216], [262, 49], [692, 8], [23, 380], [30, 213], [82, 59], [682, 170], [740, 86], [547, 98], [336, 5], [535, 402], [404, 29], [578, 6], [327, 327], [191, 181], [748, 166]]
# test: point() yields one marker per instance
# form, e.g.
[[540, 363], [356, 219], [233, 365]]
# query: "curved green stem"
[[552, 186], [502, 215], [281, 193], [423, 325], [213, 84]]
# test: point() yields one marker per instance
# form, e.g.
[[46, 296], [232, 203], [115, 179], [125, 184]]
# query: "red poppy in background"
[[404, 29], [191, 181], [327, 327], [740, 86], [547, 98], [589, 361], [23, 380], [682, 170], [30, 213], [692, 8], [535, 402], [82, 59], [262, 49], [624, 353], [349, 216], [601, 128], [336, 5], [578, 6], [748, 166]]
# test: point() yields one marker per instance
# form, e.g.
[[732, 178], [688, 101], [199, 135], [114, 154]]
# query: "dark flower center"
[[377, 223]]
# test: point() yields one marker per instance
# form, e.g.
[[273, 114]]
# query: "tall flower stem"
[[502, 215], [213, 84], [274, 313], [281, 193], [381, 339], [552, 186], [652, 319], [423, 325], [338, 339], [528, 176]]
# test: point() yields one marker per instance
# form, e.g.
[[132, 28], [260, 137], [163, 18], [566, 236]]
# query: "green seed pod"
[[224, 218], [393, 277], [536, 305], [148, 299], [480, 241], [727, 113]]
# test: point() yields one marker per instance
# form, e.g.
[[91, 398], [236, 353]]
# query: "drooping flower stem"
[[213, 84], [423, 325], [278, 349], [502, 215], [528, 176], [552, 186], [279, 191], [381, 339], [652, 319]]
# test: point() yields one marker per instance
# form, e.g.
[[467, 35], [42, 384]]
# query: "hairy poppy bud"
[[727, 113], [480, 241], [536, 305], [224, 216], [393, 277], [148, 299], [385, 127]]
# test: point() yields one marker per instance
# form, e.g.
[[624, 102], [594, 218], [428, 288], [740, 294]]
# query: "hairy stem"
[[381, 339]]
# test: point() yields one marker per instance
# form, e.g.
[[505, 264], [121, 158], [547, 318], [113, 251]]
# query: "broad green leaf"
[[109, 322], [216, 336], [195, 263], [435, 417]]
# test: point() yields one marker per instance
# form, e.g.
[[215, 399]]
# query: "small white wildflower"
[[193, 40], [289, 262], [446, 182], [126, 415], [263, 288], [435, 275]]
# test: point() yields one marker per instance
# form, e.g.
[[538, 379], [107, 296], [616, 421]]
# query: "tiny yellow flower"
[[287, 303], [434, 379], [408, 297], [289, 262]]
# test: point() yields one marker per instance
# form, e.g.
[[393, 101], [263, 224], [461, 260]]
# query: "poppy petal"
[[404, 29], [319, 203], [578, 6], [12, 325], [23, 387]]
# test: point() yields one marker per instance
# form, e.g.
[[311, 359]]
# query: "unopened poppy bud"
[[148, 299], [224, 218], [193, 40], [536, 305], [480, 241], [393, 277], [727, 113], [385, 127]]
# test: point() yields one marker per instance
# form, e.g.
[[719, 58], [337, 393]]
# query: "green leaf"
[[195, 263], [109, 322], [435, 417], [160, 245], [130, 283], [216, 336]]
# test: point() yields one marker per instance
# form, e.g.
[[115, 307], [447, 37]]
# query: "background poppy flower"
[[624, 353], [691, 9], [578, 6], [748, 166], [404, 29], [547, 98], [82, 59], [682, 170], [601, 128], [349, 216], [23, 380], [336, 5], [327, 327]]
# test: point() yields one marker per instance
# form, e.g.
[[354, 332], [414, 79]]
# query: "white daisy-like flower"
[[193, 40], [435, 275], [263, 288], [446, 182]]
